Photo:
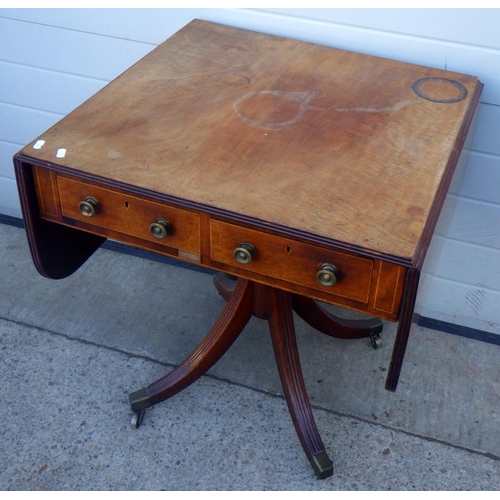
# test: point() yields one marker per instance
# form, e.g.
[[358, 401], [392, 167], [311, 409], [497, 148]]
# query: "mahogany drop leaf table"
[[301, 173]]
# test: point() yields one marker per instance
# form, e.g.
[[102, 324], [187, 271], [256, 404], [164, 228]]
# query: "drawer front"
[[292, 261], [130, 215]]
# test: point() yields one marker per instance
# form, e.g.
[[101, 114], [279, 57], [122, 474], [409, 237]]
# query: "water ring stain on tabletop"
[[275, 109], [440, 90]]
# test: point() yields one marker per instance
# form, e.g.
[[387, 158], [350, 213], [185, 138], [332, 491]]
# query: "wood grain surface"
[[335, 144]]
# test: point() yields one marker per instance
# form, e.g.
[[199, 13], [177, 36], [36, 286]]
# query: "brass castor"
[[376, 341], [137, 418]]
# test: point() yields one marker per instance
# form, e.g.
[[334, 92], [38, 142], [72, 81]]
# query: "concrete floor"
[[72, 351]]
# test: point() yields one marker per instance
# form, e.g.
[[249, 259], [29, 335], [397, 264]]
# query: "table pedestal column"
[[244, 299]]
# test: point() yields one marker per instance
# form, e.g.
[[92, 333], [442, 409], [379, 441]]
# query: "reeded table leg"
[[244, 299], [229, 325], [287, 358], [320, 319], [224, 284], [315, 315]]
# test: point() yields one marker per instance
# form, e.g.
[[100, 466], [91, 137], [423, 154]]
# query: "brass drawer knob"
[[160, 228], [89, 206], [244, 253], [327, 275]]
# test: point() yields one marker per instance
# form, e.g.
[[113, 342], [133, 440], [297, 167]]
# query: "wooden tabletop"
[[329, 144]]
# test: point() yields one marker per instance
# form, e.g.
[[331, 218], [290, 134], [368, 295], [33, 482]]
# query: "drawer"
[[130, 215], [292, 261]]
